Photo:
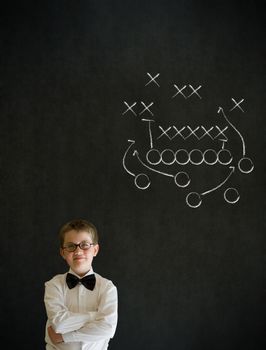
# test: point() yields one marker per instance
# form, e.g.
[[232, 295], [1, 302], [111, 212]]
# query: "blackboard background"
[[187, 278]]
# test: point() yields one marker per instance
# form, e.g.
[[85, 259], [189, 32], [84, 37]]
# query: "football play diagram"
[[176, 161]]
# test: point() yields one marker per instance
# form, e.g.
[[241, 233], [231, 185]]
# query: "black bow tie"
[[88, 281]]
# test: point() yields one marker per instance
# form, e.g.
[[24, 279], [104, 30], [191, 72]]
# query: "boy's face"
[[79, 260]]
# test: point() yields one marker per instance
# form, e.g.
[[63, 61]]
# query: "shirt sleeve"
[[60, 318], [105, 322]]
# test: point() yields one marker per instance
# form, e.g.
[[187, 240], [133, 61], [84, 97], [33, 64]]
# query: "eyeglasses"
[[71, 247]]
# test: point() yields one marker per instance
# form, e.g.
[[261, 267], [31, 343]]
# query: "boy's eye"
[[85, 245], [71, 247]]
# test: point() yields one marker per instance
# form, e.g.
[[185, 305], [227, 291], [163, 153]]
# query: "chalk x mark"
[[179, 91], [146, 108], [153, 79], [130, 108], [194, 91], [237, 104]]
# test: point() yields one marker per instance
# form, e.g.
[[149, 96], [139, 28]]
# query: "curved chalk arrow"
[[124, 158], [136, 153], [221, 184], [220, 109]]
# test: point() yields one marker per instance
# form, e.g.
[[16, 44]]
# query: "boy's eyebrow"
[[79, 242]]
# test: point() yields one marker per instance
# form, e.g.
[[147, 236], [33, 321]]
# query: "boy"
[[81, 305]]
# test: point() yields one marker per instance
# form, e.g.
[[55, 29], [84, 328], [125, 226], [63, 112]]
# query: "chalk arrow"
[[220, 110], [136, 154], [132, 142], [222, 183]]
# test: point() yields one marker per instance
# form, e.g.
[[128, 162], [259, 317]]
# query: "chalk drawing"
[[180, 91], [237, 104], [164, 162], [146, 108], [153, 79], [186, 131], [231, 195], [130, 108]]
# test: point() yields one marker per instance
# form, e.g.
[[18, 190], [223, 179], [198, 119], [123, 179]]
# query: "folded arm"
[[60, 318], [104, 324], [82, 327]]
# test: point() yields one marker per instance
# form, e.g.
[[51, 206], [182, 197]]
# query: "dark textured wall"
[[188, 278]]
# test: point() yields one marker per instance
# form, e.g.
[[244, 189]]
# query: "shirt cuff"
[[69, 337]]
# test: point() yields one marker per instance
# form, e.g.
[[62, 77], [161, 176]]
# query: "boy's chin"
[[81, 269]]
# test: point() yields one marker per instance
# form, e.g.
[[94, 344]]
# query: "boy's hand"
[[55, 337]]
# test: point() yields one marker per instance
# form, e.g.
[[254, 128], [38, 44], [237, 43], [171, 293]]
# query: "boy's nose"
[[78, 251]]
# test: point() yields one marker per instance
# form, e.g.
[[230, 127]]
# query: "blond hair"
[[78, 225]]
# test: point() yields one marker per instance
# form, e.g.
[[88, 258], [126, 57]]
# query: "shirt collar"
[[90, 272]]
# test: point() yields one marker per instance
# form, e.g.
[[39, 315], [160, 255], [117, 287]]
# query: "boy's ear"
[[62, 253], [96, 249]]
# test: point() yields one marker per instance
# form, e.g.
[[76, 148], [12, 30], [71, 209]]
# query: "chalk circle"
[[168, 156], [142, 181], [153, 156], [224, 157], [193, 200], [182, 179], [196, 157], [182, 156], [231, 195], [210, 156], [245, 165]]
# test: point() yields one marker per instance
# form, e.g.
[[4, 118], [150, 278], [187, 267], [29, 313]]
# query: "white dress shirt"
[[86, 319]]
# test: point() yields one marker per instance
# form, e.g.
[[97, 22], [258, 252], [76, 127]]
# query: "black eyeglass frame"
[[75, 245]]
